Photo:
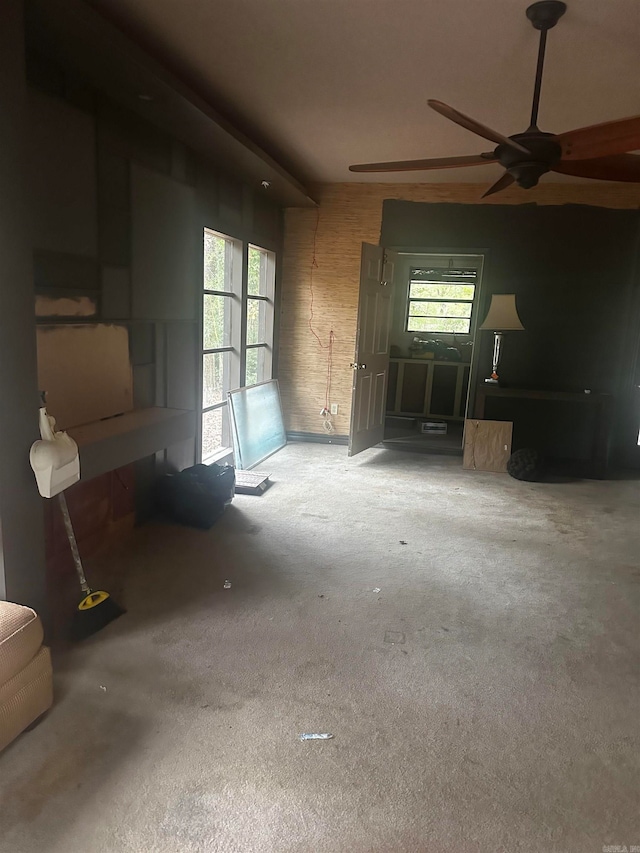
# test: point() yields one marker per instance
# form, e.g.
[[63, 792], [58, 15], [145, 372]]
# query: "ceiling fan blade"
[[620, 167], [420, 165], [601, 140], [501, 184], [474, 126]]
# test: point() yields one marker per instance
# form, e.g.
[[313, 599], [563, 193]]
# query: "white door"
[[371, 364]]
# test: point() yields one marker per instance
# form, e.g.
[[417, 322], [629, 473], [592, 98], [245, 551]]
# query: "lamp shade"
[[502, 315]]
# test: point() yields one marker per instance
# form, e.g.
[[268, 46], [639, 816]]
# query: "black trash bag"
[[526, 464], [220, 480], [197, 496]]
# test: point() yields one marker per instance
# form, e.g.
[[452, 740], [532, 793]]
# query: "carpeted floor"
[[484, 699]]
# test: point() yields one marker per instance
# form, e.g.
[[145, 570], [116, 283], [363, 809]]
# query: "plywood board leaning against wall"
[[85, 371], [487, 445]]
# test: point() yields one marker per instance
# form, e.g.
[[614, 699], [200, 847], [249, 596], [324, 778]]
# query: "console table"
[[602, 404]]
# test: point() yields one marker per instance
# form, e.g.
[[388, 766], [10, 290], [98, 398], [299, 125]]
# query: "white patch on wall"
[[65, 306]]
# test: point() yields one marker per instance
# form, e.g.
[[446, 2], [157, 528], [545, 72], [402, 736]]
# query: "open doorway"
[[433, 332]]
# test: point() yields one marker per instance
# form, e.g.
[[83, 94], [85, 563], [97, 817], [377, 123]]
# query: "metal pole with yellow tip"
[[97, 608]]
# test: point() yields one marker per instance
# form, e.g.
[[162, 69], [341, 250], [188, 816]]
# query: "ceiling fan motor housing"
[[545, 14], [527, 169]]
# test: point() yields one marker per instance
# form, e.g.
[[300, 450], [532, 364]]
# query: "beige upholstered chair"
[[25, 671]]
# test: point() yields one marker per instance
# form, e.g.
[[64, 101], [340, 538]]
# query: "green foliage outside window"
[[436, 306]]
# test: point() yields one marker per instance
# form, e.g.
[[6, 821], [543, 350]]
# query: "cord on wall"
[[314, 266], [327, 396], [325, 412]]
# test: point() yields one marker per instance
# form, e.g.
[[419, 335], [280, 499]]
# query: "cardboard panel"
[[86, 372], [487, 445]]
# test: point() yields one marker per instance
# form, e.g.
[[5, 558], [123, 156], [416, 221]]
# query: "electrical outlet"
[[334, 408]]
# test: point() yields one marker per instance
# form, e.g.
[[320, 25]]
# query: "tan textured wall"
[[348, 215]]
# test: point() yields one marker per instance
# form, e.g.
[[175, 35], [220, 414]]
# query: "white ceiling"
[[321, 84]]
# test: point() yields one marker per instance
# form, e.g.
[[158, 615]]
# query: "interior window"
[[441, 300]]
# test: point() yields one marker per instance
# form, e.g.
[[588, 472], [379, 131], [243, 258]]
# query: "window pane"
[[215, 378], [256, 321], [439, 290], [215, 432], [257, 272], [251, 376], [217, 262], [216, 321], [440, 309], [255, 370], [438, 324]]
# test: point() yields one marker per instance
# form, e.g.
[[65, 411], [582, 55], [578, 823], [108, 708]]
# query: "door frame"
[[482, 302]]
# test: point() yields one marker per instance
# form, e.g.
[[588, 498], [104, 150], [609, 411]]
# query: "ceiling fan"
[[599, 151]]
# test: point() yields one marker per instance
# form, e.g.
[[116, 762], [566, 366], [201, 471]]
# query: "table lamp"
[[502, 317]]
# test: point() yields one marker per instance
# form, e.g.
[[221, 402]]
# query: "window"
[[260, 288], [441, 300], [219, 309], [237, 345]]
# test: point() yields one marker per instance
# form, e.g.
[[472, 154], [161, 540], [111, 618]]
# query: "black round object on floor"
[[526, 464]]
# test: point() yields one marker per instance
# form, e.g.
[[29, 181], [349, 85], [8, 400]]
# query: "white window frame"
[[232, 292], [236, 268], [472, 302], [267, 301]]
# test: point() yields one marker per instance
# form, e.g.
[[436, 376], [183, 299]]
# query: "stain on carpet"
[[61, 770]]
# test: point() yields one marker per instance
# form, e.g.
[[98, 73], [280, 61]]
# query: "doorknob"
[[356, 366]]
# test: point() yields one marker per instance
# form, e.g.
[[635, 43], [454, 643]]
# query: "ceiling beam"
[[76, 36]]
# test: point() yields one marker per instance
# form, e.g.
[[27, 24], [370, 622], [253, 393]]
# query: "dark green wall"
[[94, 201], [22, 576], [129, 204], [574, 270]]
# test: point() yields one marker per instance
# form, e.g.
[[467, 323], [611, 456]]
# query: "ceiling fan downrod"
[[544, 15]]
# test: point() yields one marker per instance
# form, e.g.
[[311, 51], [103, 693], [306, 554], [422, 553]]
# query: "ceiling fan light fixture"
[[527, 175]]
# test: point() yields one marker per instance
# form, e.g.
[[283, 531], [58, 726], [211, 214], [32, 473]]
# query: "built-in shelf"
[[427, 388], [114, 442]]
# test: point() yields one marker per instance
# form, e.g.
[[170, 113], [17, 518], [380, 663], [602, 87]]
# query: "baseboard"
[[318, 437]]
